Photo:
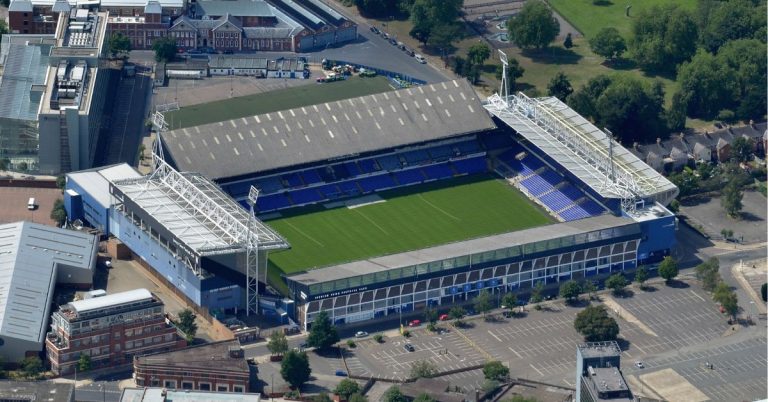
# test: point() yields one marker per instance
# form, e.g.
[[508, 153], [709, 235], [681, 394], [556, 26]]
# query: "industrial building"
[[598, 374], [219, 366], [151, 394], [34, 259], [111, 329], [28, 391]]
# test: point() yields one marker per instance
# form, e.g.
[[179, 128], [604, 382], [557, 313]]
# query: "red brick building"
[[110, 329], [219, 367]]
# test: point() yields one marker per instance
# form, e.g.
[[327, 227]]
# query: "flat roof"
[[462, 248], [149, 394], [197, 212], [212, 356], [237, 8], [329, 130], [96, 181], [600, 349], [633, 176], [29, 254], [24, 66], [111, 3], [37, 391], [115, 299]]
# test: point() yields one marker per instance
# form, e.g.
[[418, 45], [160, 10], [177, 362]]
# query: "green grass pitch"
[[273, 101], [411, 218]]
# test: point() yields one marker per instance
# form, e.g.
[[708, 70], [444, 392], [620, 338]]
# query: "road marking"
[[496, 337], [515, 352], [700, 298]]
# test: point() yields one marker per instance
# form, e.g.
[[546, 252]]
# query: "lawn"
[[589, 18], [275, 100], [410, 218]]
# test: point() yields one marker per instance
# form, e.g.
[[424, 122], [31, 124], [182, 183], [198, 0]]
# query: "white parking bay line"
[[700, 298], [515, 352], [494, 336]]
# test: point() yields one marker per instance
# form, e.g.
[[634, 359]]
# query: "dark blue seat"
[[367, 165], [293, 179], [272, 202], [467, 147], [352, 168], [441, 152], [374, 183], [311, 176], [438, 171], [409, 176], [389, 162], [471, 165], [349, 188], [305, 196]]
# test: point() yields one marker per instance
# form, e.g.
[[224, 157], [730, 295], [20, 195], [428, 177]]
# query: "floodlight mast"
[[252, 258], [504, 88]]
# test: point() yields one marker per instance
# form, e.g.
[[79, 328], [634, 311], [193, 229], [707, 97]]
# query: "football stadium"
[[427, 195]]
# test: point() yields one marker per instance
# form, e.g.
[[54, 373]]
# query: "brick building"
[[219, 367], [110, 329]]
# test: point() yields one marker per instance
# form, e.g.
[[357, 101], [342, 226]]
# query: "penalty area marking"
[[304, 234], [438, 208]]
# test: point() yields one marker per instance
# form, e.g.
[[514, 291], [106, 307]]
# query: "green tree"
[[278, 343], [483, 302], [608, 43], [425, 397], [584, 100], [23, 166], [378, 8], [31, 366], [165, 49], [514, 71], [724, 21], [570, 290], [4, 163], [322, 397], [708, 272], [633, 109], [61, 181], [84, 363], [730, 199], [677, 112], [537, 295], [456, 313], [596, 325], [727, 298], [559, 86], [747, 61], [118, 44], [589, 288], [322, 334], [568, 42], [357, 398], [510, 301], [3, 27], [478, 53], [431, 315], [495, 370], [707, 84], [663, 37], [686, 181], [58, 213], [742, 149], [346, 388], [423, 369], [668, 269], [393, 394], [187, 323], [295, 368], [490, 387], [434, 22], [641, 275], [616, 282], [442, 36], [534, 26]]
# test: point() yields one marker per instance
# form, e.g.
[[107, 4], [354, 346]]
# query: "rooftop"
[[29, 254], [599, 349], [607, 225], [36, 391], [238, 8], [24, 68], [96, 181], [109, 3], [163, 395], [608, 384], [212, 356], [330, 130], [113, 300]]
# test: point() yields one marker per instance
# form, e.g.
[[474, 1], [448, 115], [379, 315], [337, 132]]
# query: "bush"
[[351, 343], [379, 338], [406, 333]]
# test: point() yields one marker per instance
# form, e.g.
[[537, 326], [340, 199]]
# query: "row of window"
[[201, 386]]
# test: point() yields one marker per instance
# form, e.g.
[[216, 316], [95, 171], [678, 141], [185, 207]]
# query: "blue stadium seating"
[[269, 185], [551, 177], [377, 182], [442, 152], [352, 168], [329, 191], [536, 185], [467, 147], [272, 202], [556, 200], [471, 165], [389, 162], [592, 208], [409, 176], [573, 213], [416, 157], [349, 188], [305, 196], [293, 179], [496, 141], [367, 165], [311, 176], [340, 172], [438, 171], [237, 189], [571, 192]]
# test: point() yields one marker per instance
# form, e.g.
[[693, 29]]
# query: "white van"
[[31, 204], [420, 59]]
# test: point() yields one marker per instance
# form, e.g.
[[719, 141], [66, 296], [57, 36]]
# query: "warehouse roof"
[[208, 356], [330, 130], [96, 181], [37, 391], [29, 255]]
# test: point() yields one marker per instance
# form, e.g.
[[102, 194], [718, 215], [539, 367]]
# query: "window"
[[222, 388], [128, 332], [204, 386], [117, 335], [238, 388], [169, 384]]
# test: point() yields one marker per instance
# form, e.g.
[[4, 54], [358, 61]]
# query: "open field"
[[589, 18], [275, 100], [411, 218]]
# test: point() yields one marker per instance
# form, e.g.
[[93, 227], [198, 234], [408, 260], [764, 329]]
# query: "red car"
[[414, 323], [444, 317]]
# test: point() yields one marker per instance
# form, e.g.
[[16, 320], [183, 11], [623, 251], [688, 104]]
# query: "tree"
[[534, 26], [4, 163], [357, 398], [568, 43], [570, 291], [727, 298], [641, 275], [478, 53], [559, 86], [708, 273], [742, 149], [322, 397], [425, 397], [61, 181], [322, 334], [118, 44], [584, 100], [434, 22], [278, 343], [346, 388], [668, 268], [187, 323], [608, 43], [84, 363], [3, 26], [456, 313], [514, 71], [423, 369], [723, 22], [490, 387], [58, 213], [633, 109], [537, 295], [431, 315], [707, 84], [495, 370], [596, 325], [483, 302], [442, 36], [730, 199], [295, 368], [23, 166], [677, 112], [616, 282], [165, 49], [393, 394], [31, 366], [378, 8], [745, 58], [764, 292], [510, 301], [589, 288], [663, 37]]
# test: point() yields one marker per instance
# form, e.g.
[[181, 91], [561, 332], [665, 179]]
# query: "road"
[[101, 391]]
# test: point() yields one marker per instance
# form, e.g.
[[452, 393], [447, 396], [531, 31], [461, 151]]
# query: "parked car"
[[375, 30], [409, 348], [393, 41], [385, 35], [414, 323], [420, 59], [443, 317], [341, 373], [639, 365], [361, 334], [410, 52], [401, 45]]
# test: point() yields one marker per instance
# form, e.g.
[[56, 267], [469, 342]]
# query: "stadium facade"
[[610, 206]]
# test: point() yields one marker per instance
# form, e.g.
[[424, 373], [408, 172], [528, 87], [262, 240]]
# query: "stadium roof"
[[29, 255], [467, 247], [581, 148], [96, 181], [329, 130], [197, 212]]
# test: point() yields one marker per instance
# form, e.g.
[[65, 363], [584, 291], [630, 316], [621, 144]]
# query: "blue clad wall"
[[93, 212], [73, 204], [657, 241]]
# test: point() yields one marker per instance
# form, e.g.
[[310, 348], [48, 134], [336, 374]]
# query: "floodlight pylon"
[[252, 258]]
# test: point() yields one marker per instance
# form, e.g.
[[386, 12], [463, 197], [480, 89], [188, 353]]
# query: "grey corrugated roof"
[[29, 253], [329, 130], [25, 66], [225, 61], [269, 32], [239, 8], [96, 181], [20, 5]]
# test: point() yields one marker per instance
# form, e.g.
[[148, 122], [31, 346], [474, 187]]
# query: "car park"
[[361, 334], [420, 59], [639, 365], [393, 41], [409, 348]]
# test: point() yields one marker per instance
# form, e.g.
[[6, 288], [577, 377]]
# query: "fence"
[[392, 75]]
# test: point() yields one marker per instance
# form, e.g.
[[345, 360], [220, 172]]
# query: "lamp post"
[[272, 384]]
